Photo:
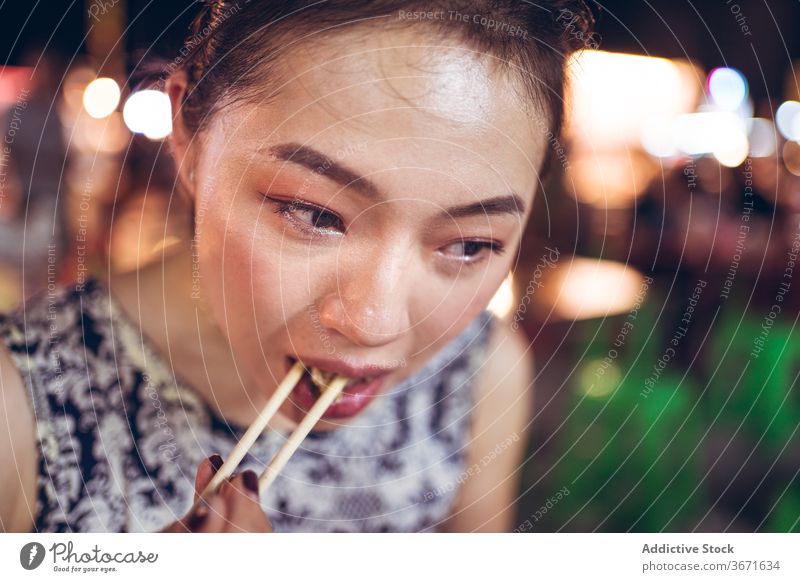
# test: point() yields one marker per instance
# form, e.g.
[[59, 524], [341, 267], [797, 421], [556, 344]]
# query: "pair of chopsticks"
[[285, 453]]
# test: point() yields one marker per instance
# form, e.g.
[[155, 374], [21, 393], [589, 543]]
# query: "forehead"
[[399, 101]]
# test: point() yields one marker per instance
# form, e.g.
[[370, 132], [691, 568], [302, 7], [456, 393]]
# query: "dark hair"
[[233, 46]]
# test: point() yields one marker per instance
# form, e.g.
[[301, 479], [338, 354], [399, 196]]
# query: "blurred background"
[[657, 281]]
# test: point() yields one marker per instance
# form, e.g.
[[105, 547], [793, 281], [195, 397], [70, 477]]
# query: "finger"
[[176, 527], [244, 506], [211, 515], [205, 471], [245, 511], [198, 512]]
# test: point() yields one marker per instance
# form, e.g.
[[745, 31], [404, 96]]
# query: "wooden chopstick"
[[301, 432], [285, 453], [254, 430]]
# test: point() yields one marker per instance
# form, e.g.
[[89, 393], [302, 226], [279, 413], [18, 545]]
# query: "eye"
[[471, 251], [317, 218], [308, 216]]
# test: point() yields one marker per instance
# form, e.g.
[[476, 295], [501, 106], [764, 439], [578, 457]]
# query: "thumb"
[[205, 471]]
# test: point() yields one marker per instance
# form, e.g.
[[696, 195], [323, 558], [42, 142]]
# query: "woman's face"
[[361, 218]]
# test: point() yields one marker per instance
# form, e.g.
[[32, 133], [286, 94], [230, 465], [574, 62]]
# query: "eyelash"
[[493, 247], [287, 210]]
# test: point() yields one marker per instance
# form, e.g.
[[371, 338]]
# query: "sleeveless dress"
[[119, 435]]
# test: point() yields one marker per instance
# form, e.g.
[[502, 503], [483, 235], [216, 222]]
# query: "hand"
[[234, 507]]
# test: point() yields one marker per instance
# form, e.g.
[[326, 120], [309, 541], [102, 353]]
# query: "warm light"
[[720, 133], [503, 299], [107, 135], [613, 95], [787, 118], [762, 137], [727, 88], [701, 133], [75, 82], [791, 157], [610, 180], [734, 152], [101, 97], [149, 112], [657, 138], [10, 287], [587, 288]]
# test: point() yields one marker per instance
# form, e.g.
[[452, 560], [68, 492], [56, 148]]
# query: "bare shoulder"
[[508, 369], [17, 449], [504, 389], [501, 419]]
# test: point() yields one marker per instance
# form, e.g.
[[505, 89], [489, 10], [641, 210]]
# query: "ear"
[[181, 139]]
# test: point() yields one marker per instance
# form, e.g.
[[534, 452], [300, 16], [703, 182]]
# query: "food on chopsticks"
[[331, 386], [322, 380]]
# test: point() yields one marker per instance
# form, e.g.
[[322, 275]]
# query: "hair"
[[234, 46]]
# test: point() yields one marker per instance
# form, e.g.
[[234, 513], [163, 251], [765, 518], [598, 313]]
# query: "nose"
[[370, 305]]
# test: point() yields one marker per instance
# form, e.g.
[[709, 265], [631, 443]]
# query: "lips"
[[366, 382]]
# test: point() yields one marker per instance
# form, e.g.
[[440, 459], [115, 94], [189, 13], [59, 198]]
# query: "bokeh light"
[[101, 97], [720, 133], [727, 88], [149, 112], [787, 118], [614, 94], [587, 288], [763, 138], [503, 299]]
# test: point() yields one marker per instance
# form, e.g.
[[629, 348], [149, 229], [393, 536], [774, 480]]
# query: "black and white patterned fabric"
[[120, 435]]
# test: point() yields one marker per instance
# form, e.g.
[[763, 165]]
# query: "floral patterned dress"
[[120, 436]]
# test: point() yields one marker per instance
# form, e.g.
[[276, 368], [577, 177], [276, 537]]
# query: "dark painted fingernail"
[[216, 462], [250, 480]]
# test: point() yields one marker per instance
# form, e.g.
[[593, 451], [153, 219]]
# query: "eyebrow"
[[508, 204], [321, 164]]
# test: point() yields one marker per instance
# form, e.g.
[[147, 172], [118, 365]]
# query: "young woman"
[[360, 174]]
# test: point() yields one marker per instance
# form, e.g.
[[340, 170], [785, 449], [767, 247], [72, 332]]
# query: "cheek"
[[452, 309], [250, 290], [460, 306], [467, 295]]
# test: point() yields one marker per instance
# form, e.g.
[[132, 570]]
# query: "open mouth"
[[357, 393], [320, 380]]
